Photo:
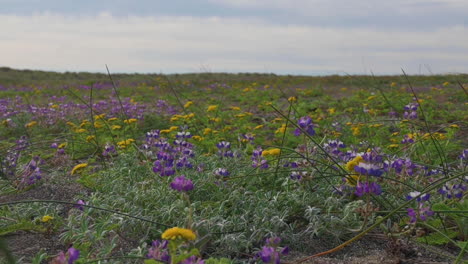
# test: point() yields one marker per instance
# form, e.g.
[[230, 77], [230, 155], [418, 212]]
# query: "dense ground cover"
[[231, 168]]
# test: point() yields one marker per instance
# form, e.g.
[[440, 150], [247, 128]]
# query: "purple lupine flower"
[[258, 161], [182, 184], [224, 149], [80, 205], [108, 150], [464, 155], [73, 255], [407, 140], [422, 213], [221, 172], [183, 134], [159, 251], [411, 111], [297, 175], [368, 169], [422, 198], [306, 124], [193, 260], [271, 252], [453, 191], [367, 187]]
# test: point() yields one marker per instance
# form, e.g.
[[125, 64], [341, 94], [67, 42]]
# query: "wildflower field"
[[232, 168]]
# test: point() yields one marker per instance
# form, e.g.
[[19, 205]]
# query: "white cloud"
[[189, 44]]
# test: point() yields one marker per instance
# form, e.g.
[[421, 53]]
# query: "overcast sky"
[[275, 36]]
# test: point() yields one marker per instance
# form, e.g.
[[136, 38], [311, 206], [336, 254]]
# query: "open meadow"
[[232, 168]]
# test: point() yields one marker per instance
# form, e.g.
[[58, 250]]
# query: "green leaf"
[[437, 238]]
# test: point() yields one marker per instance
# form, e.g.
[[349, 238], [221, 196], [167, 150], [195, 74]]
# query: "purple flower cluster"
[[69, 258], [193, 260], [422, 211], [453, 190], [367, 187], [271, 252], [221, 172], [411, 111], [258, 161], [168, 157], [182, 184], [159, 251], [32, 172], [224, 149], [109, 150], [305, 123]]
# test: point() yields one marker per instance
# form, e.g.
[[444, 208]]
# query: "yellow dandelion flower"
[[30, 124], [101, 116], [292, 99], [98, 124], [446, 84], [371, 97], [248, 89], [55, 106], [165, 131], [240, 115], [207, 131], [356, 131], [281, 130], [197, 138], [258, 127], [188, 104], [130, 121], [353, 163], [173, 128], [90, 138], [84, 123], [331, 111], [454, 126], [268, 103], [116, 127], [62, 145], [79, 167], [395, 133], [112, 119], [235, 108], [46, 218], [81, 130], [212, 108], [271, 152], [393, 146], [178, 233]]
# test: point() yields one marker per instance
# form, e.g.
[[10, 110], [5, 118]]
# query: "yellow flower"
[[81, 130], [116, 127], [197, 138], [212, 108], [188, 104], [353, 163], [454, 126], [375, 125], [112, 119], [235, 108], [371, 97], [101, 116], [446, 84], [292, 99], [393, 84], [62, 145], [258, 127], [125, 143], [165, 131], [84, 123], [207, 131], [90, 138], [344, 89], [178, 233], [46, 218], [173, 128], [131, 120], [282, 129], [271, 152], [31, 124], [393, 146], [55, 106], [71, 124], [79, 167], [356, 131], [98, 124], [331, 111]]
